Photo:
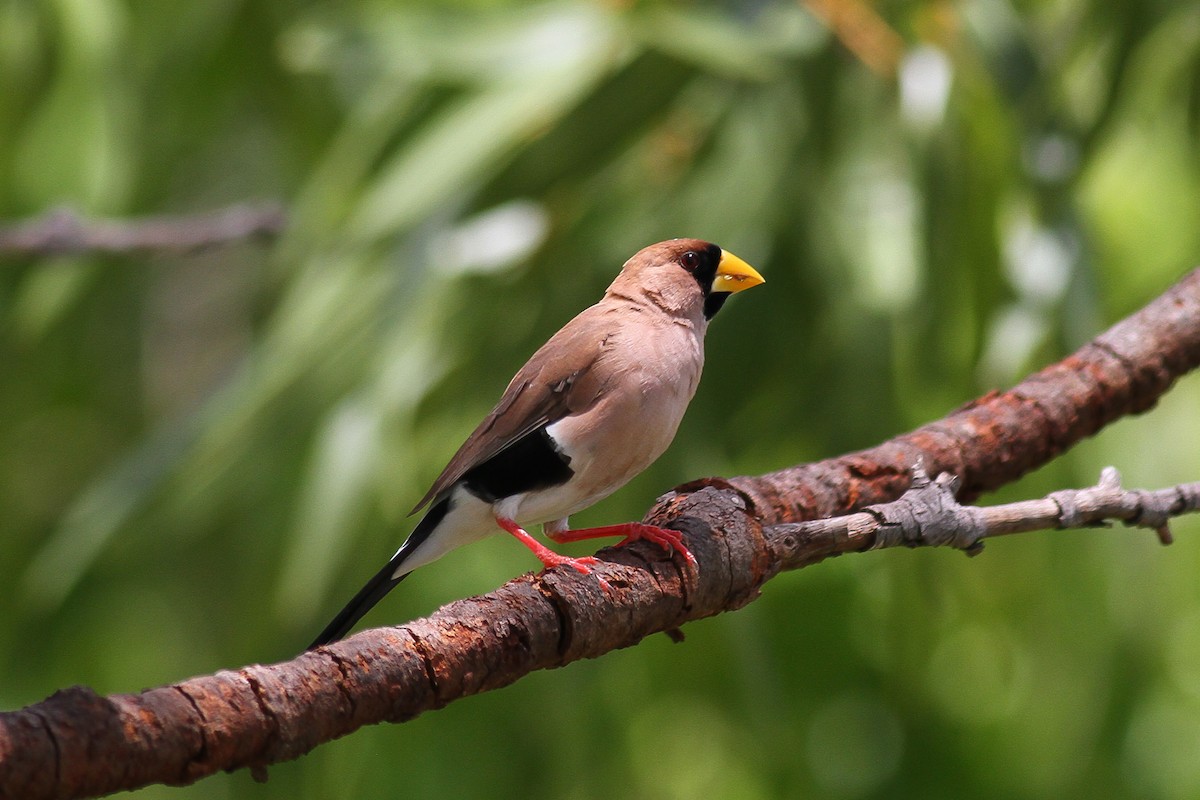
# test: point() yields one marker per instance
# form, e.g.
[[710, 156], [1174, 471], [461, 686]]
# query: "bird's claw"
[[581, 565], [667, 539]]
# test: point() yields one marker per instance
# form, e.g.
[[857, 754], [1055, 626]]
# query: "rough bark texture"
[[78, 744], [1001, 436]]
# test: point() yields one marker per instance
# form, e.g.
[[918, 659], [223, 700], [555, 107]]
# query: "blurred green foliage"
[[202, 457]]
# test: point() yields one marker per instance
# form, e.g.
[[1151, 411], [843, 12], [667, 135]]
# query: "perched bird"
[[592, 408]]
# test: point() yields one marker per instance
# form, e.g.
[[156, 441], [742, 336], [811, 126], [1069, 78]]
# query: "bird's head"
[[687, 276]]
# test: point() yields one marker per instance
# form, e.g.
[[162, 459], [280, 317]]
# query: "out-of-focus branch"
[[80, 744], [864, 33], [62, 231]]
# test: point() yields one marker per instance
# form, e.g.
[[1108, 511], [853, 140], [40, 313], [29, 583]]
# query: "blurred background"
[[203, 456]]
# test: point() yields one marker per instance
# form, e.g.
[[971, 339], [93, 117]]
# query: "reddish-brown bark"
[[78, 744], [1001, 436]]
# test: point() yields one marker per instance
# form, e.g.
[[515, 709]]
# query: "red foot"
[[582, 565], [548, 557], [665, 538]]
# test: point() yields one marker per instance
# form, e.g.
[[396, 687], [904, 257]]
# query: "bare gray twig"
[[928, 515], [63, 231]]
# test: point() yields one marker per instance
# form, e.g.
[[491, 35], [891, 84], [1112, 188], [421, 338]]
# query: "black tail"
[[383, 582], [364, 601]]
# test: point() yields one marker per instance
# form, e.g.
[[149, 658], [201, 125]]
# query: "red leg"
[[665, 538], [548, 557]]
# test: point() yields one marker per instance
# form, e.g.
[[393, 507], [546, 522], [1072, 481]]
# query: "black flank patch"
[[532, 462]]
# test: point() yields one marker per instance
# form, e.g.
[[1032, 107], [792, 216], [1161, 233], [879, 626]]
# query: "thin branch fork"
[[79, 744], [64, 231], [929, 515]]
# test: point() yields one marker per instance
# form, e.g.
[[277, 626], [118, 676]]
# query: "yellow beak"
[[734, 275]]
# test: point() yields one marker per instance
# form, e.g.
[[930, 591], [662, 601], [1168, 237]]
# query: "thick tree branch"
[[63, 231], [1002, 435], [78, 744]]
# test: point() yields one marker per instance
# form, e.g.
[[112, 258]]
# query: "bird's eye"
[[690, 260]]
